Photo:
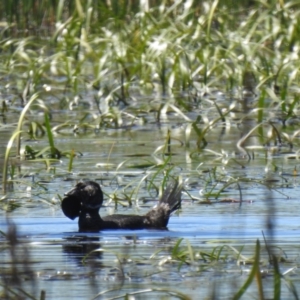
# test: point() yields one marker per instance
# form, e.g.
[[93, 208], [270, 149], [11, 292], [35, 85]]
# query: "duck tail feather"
[[172, 196]]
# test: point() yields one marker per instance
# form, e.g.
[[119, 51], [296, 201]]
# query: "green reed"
[[114, 48], [164, 48]]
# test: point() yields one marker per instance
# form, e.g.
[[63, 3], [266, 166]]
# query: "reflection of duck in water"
[[80, 247], [85, 200]]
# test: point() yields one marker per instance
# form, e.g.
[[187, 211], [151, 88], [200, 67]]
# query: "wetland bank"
[[132, 96]]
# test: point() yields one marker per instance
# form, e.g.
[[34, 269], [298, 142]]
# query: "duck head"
[[86, 196]]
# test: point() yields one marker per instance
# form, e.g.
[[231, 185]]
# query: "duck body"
[[86, 199]]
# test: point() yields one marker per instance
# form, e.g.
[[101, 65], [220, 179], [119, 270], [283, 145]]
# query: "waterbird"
[[86, 198]]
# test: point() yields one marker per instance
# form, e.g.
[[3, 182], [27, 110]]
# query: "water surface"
[[130, 261]]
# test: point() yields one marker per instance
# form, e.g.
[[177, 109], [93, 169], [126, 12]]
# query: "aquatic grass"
[[16, 135], [170, 292], [227, 181], [178, 54], [216, 177], [255, 273], [216, 12], [163, 168], [190, 255], [29, 151], [70, 165], [53, 150], [6, 161], [49, 153], [202, 132], [139, 59], [277, 279], [154, 172], [260, 113], [144, 164]]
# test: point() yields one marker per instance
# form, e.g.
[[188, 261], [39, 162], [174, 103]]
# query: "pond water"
[[124, 160]]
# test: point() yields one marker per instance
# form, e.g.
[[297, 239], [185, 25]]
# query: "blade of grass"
[[277, 279], [255, 272], [176, 247], [21, 119], [260, 112], [210, 17], [6, 159], [53, 150], [72, 154]]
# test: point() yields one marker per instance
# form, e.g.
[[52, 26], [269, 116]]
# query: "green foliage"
[[166, 51], [118, 53], [177, 48], [202, 260], [255, 273]]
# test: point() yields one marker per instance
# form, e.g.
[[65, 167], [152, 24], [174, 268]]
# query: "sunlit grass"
[[166, 51]]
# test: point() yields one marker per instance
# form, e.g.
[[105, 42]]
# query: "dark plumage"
[[85, 200]]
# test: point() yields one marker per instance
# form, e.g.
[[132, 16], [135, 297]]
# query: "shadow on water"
[[78, 247]]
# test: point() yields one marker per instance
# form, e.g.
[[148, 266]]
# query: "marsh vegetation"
[[132, 95]]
